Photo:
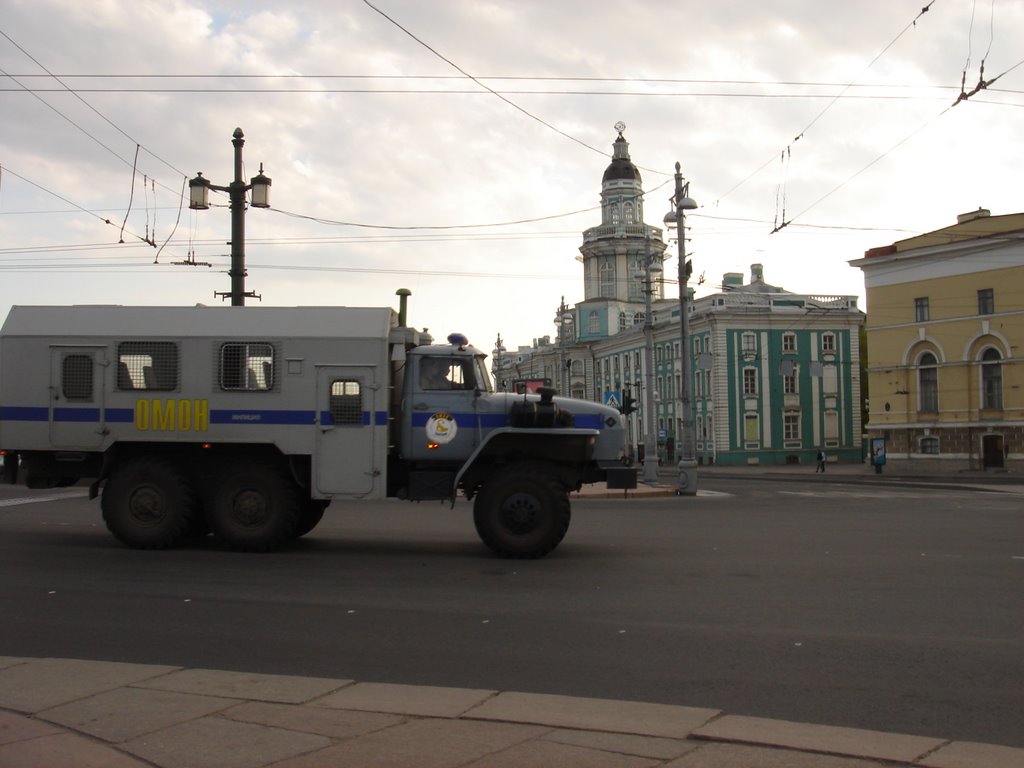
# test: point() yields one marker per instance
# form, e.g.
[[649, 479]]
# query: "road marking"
[[50, 497]]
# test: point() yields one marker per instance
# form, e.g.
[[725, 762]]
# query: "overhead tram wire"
[[769, 161], [493, 92]]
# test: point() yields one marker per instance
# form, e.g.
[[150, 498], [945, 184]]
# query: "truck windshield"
[[483, 376]]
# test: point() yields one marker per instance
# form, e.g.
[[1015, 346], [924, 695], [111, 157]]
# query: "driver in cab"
[[442, 373]]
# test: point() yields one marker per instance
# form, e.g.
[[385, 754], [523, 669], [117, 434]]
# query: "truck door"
[[443, 423], [344, 461], [76, 396]]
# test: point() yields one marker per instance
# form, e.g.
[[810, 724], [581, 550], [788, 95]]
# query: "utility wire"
[[490, 90]]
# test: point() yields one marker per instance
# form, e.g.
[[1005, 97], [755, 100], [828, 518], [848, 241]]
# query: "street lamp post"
[[563, 320], [199, 199], [650, 436], [676, 217]]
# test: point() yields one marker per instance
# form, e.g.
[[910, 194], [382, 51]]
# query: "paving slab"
[[624, 743], [541, 754], [64, 750], [14, 727], [819, 738], [217, 742], [966, 754], [128, 713], [308, 718], [420, 700], [40, 684], [740, 756], [634, 717], [246, 685], [426, 743]]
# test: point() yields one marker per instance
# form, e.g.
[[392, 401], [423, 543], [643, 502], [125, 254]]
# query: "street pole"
[[682, 202], [199, 189], [650, 436]]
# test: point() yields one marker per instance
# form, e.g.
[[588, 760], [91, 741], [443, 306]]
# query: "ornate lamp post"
[[646, 277], [676, 218], [199, 199], [564, 320]]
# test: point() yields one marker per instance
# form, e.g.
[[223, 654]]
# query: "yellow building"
[[945, 324]]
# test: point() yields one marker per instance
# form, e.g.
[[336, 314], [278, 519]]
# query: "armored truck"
[[248, 422]]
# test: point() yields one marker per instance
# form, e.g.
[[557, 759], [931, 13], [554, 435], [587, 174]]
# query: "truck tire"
[[522, 512], [255, 508], [310, 515], [148, 503]]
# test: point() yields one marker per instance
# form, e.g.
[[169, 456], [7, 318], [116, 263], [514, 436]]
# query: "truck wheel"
[[310, 515], [522, 513], [255, 508], [148, 504]]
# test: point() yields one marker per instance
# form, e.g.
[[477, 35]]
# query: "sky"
[[456, 147]]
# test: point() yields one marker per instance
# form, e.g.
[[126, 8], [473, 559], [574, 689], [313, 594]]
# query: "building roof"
[[976, 225], [621, 167]]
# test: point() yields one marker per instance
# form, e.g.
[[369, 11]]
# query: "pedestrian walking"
[[821, 462]]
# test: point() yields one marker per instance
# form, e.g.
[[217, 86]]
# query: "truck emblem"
[[441, 428]]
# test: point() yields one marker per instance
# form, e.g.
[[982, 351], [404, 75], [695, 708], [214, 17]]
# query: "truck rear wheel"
[[522, 513], [148, 503], [255, 508]]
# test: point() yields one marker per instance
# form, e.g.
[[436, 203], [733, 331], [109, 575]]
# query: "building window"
[[828, 342], [930, 445], [789, 384], [928, 383], [593, 323], [986, 301], [749, 381], [789, 342], [608, 279], [629, 214], [622, 321], [615, 213], [749, 345], [921, 313], [991, 379], [791, 427]]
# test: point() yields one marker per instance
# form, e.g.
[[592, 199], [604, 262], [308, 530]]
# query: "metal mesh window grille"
[[76, 377], [149, 365], [247, 366], [346, 402]]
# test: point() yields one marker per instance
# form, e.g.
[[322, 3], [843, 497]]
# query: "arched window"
[[991, 379], [615, 213], [622, 321], [593, 323], [928, 383], [608, 279], [629, 214]]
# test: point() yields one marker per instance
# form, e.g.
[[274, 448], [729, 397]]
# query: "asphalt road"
[[896, 610]]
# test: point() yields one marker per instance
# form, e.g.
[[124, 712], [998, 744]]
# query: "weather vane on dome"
[[620, 127]]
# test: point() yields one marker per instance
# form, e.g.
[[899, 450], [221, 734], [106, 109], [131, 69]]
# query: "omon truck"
[[247, 422]]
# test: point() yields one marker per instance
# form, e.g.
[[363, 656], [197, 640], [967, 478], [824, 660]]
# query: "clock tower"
[[614, 252]]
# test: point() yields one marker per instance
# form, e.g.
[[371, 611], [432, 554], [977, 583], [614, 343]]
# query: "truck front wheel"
[[148, 504], [523, 513], [255, 508]]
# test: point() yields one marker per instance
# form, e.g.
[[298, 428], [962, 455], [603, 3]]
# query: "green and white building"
[[776, 375]]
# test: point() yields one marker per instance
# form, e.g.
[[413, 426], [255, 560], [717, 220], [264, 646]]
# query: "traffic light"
[[628, 404]]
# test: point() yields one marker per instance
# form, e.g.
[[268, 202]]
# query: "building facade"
[[775, 375], [947, 319]]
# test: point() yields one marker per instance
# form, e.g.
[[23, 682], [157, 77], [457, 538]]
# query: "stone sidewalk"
[[68, 713]]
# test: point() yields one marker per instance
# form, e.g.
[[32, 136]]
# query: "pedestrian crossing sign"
[[613, 399]]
